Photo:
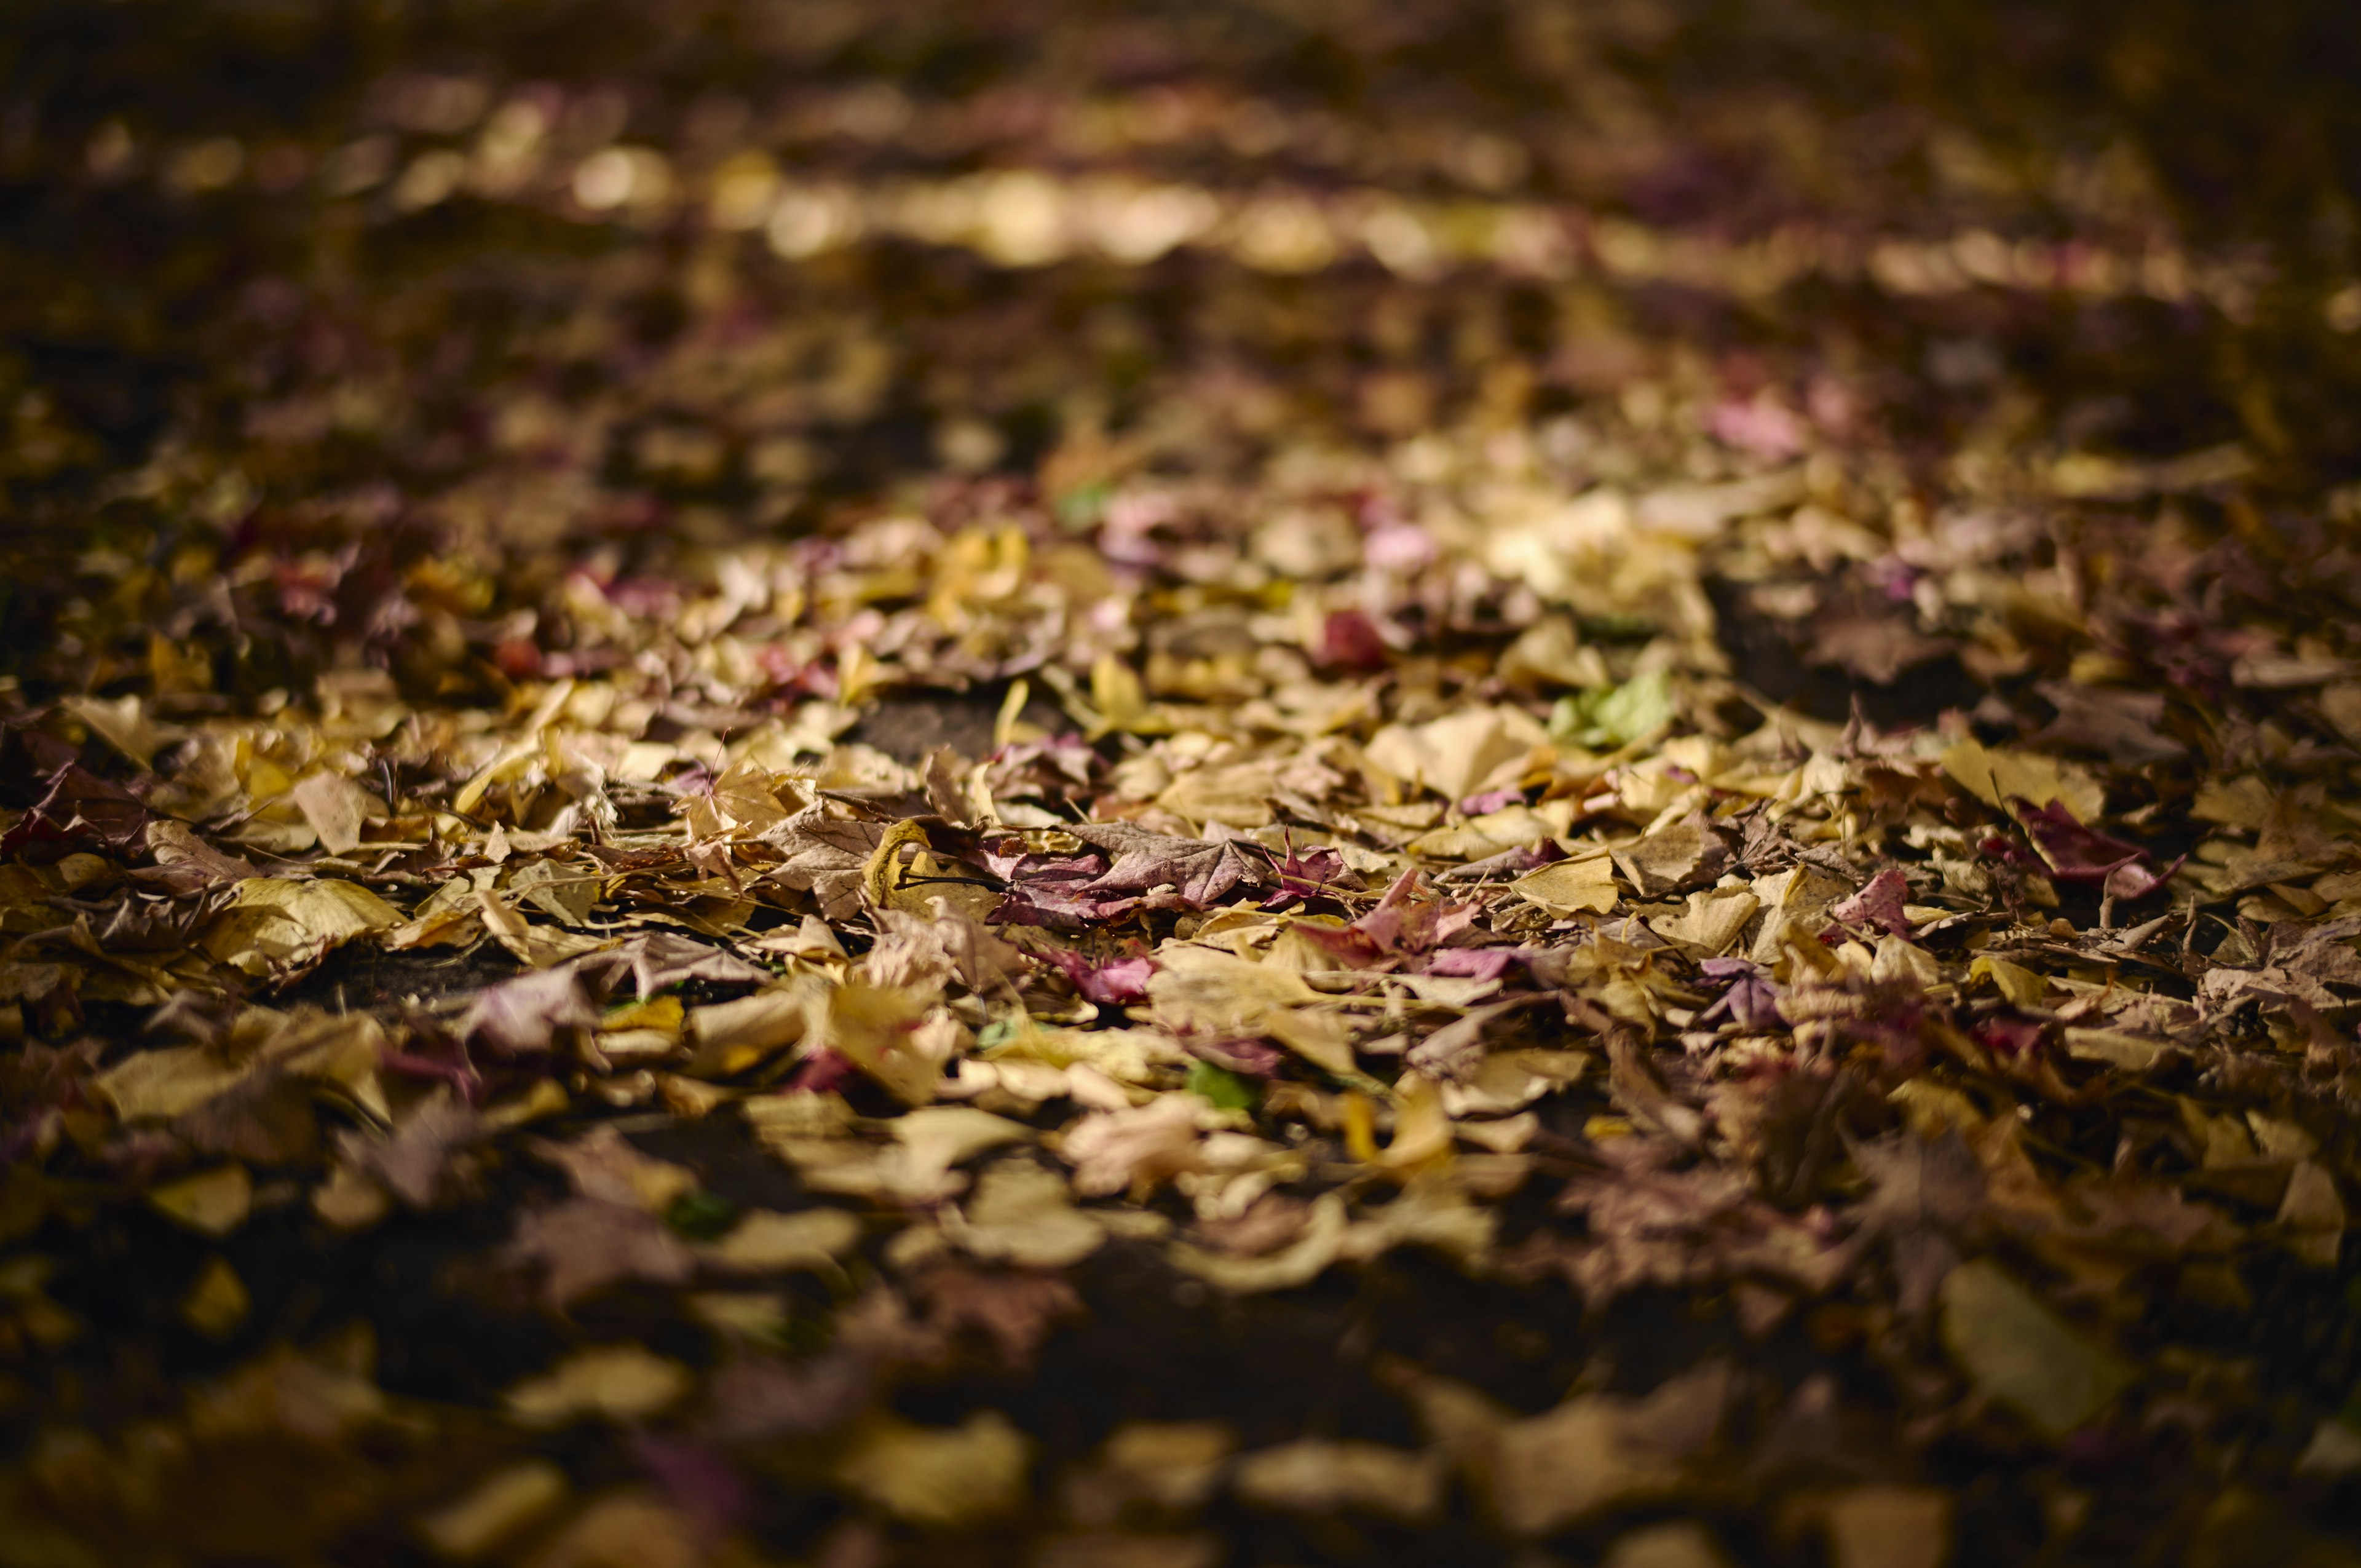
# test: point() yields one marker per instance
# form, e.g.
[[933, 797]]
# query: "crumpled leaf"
[[1299, 1262], [1140, 1148], [1878, 906], [2122, 724], [335, 807], [826, 856], [584, 1245], [275, 923], [1672, 858], [1221, 994], [188, 864], [602, 1165], [1197, 873], [878, 1029], [730, 1038]]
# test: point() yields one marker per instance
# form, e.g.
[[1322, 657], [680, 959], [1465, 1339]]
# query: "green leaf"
[[1079, 508], [700, 1215], [1616, 716], [1224, 1089]]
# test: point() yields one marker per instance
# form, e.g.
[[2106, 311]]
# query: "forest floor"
[[1242, 786]]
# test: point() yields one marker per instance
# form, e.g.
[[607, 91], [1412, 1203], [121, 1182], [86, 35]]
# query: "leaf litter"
[[1243, 987]]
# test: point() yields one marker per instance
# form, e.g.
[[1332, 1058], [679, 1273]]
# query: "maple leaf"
[[1196, 872], [658, 960], [1309, 873], [1877, 906], [1748, 1001], [1114, 982], [826, 856], [70, 805]]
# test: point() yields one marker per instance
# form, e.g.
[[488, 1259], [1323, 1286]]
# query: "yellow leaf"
[[1025, 1215], [1458, 755], [621, 1383], [1570, 887], [882, 874], [1712, 921], [215, 1202], [1222, 994], [766, 1242], [500, 1508], [217, 1302], [875, 1028], [938, 1477], [124, 724], [1999, 777], [1235, 797], [2014, 982], [1122, 702], [155, 1086], [730, 1036], [335, 807], [276, 921]]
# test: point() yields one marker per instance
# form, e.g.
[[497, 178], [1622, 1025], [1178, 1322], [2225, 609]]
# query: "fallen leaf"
[[616, 1383], [2000, 777], [938, 1477], [2020, 1354], [471, 1527], [1571, 887], [1888, 1527], [1320, 1477], [766, 1242], [212, 1202], [1023, 1214]]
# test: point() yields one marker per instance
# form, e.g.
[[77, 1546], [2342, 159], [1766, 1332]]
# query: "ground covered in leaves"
[[829, 784]]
